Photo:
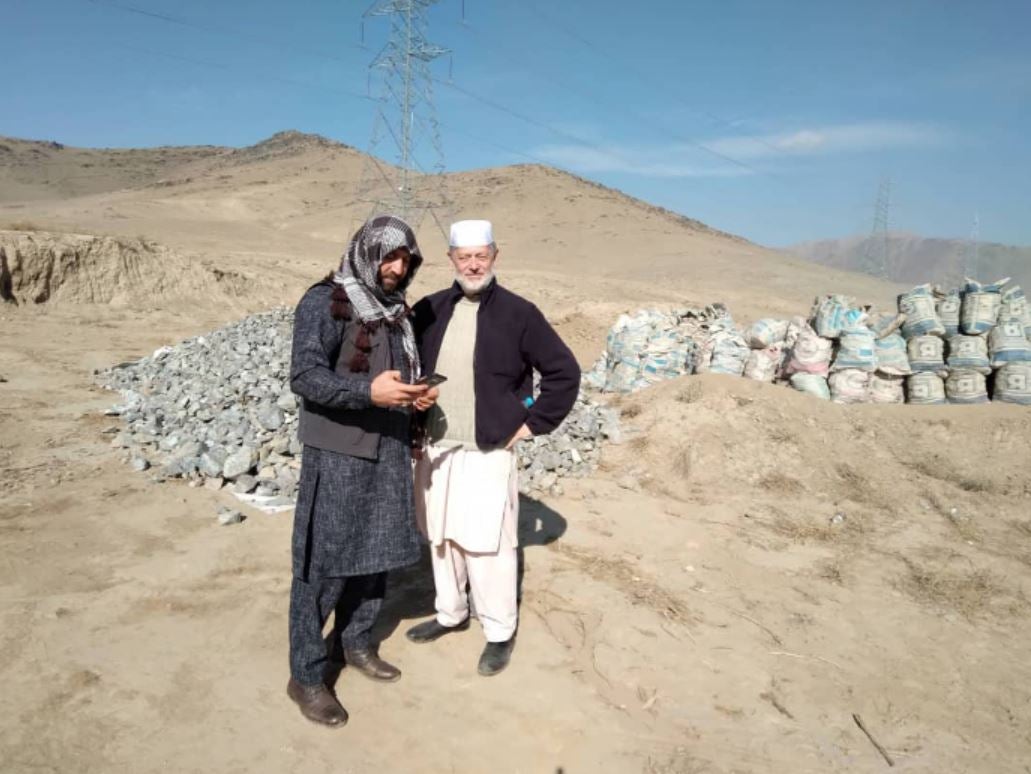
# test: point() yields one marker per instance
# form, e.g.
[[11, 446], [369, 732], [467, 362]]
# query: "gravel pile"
[[217, 410]]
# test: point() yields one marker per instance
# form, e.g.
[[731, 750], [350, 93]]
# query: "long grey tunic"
[[354, 516]]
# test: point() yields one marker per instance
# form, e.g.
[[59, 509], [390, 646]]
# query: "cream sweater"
[[452, 421]]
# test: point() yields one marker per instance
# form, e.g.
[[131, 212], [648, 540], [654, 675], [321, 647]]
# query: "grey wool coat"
[[355, 515]]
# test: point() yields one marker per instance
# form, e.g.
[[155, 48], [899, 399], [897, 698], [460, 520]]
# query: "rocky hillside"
[[913, 259]]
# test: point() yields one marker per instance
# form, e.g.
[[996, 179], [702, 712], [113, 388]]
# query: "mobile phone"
[[431, 380]]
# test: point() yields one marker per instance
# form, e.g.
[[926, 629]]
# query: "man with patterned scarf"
[[353, 365]]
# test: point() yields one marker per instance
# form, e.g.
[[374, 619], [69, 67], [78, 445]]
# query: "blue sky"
[[774, 120]]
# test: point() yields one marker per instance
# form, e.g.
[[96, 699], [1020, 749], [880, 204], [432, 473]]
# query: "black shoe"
[[495, 657], [368, 662], [317, 703], [431, 630]]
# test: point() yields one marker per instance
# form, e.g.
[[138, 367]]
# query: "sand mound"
[[44, 267], [726, 433], [935, 496]]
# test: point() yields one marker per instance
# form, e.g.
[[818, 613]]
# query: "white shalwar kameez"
[[467, 503]]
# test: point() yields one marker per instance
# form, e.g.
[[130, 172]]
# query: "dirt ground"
[[746, 572]]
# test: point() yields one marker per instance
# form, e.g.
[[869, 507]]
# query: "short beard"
[[471, 288]]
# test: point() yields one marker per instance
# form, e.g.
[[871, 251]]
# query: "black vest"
[[355, 432]]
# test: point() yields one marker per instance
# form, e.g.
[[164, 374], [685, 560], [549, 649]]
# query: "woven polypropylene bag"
[[766, 332], [892, 357], [966, 386], [763, 365], [1013, 306], [1013, 384], [981, 304], [925, 389], [921, 316], [829, 315], [948, 311], [855, 348], [811, 354], [850, 386], [1008, 344], [812, 384], [969, 352], [886, 389], [926, 353]]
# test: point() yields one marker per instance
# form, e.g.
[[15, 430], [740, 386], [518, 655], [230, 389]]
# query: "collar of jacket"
[[485, 295]]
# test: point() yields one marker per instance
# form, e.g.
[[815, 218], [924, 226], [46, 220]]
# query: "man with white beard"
[[488, 342]]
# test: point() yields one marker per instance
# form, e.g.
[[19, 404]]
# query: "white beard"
[[473, 287]]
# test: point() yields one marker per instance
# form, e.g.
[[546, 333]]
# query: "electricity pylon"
[[404, 171], [877, 250]]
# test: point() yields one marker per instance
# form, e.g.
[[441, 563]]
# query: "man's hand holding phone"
[[388, 391], [431, 380], [425, 402]]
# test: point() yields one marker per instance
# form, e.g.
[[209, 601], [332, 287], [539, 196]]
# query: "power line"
[[606, 103], [493, 104], [643, 75], [364, 97], [307, 84], [219, 30], [230, 68], [180, 21], [504, 148], [605, 151], [448, 83]]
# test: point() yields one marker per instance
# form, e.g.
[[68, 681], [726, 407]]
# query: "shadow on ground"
[[410, 591]]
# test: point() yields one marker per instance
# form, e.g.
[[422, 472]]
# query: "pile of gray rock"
[[572, 450], [217, 410]]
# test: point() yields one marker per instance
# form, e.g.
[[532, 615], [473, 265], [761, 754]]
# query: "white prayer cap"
[[472, 233]]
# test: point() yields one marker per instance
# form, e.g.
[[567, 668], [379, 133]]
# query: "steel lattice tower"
[[971, 257], [878, 248], [405, 129]]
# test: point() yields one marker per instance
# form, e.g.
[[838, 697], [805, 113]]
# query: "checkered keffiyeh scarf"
[[359, 277]]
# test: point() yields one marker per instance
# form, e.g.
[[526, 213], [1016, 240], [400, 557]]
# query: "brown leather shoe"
[[368, 662], [317, 703]]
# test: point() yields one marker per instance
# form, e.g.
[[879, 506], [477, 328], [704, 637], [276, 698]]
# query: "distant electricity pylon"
[[877, 252], [971, 257], [405, 129]]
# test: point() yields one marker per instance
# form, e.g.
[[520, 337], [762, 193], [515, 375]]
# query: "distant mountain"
[[914, 259]]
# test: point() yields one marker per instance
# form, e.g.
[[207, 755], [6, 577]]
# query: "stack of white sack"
[[887, 383], [808, 359], [727, 349], [1010, 349], [767, 340], [923, 330], [855, 360], [965, 345]]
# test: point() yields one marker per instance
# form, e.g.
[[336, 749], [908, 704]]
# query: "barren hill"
[[288, 205], [914, 259], [35, 171]]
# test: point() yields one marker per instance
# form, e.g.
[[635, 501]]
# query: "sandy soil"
[[690, 608]]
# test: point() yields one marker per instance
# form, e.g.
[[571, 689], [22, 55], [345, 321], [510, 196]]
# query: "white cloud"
[[825, 140], [664, 161], [717, 157]]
